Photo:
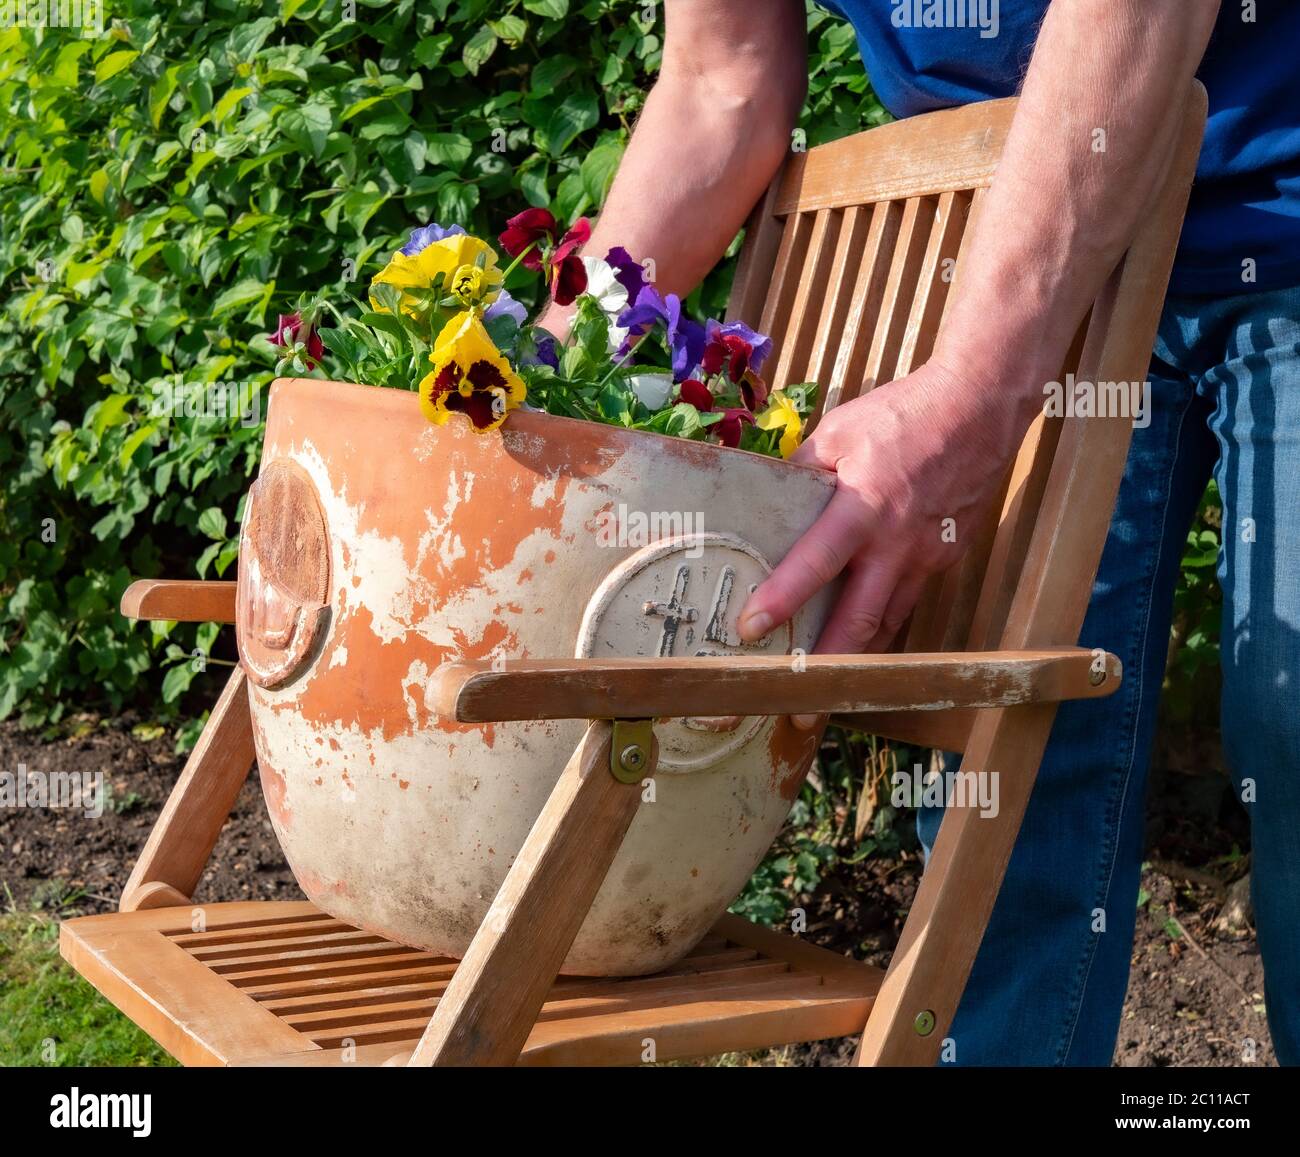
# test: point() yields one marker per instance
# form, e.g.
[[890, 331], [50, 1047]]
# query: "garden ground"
[[1194, 997]]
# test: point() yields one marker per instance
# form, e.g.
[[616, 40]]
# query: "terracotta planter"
[[377, 546]]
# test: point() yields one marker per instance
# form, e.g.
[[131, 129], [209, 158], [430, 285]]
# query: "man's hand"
[[1088, 148], [908, 457]]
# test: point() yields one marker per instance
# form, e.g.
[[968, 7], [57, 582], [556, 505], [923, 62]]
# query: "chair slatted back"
[[848, 263]]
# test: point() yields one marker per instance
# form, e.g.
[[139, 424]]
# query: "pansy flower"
[[630, 274], [685, 337], [753, 391], [568, 274], [425, 236], [652, 390], [532, 234], [694, 392], [506, 306], [535, 227], [608, 292], [289, 331], [733, 421], [736, 347], [470, 376], [542, 350], [469, 285], [415, 273], [782, 414]]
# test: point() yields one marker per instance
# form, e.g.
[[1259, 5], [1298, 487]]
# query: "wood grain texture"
[[939, 730], [749, 287], [184, 601], [834, 316], [767, 685], [741, 987], [785, 289], [154, 894], [936, 274], [944, 928], [795, 342], [273, 983], [491, 1004], [188, 1009], [918, 157], [901, 287], [187, 828], [864, 305]]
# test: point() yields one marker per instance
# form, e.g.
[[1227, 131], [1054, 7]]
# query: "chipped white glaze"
[[444, 544]]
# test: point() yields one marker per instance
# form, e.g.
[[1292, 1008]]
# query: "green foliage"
[[842, 815], [168, 188], [1192, 679]]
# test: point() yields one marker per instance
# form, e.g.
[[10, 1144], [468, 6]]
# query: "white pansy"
[[610, 294], [653, 389], [604, 286], [617, 336]]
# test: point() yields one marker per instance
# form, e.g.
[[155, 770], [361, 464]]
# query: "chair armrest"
[[185, 601], [766, 685]]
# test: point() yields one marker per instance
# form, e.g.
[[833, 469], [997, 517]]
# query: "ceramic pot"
[[377, 546]]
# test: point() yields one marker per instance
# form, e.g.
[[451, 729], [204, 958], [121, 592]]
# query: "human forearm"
[[930, 450], [714, 129], [1091, 138]]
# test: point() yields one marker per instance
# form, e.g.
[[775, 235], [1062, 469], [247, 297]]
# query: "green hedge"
[[168, 187]]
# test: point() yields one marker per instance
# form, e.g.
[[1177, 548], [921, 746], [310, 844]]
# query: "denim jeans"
[[1047, 988]]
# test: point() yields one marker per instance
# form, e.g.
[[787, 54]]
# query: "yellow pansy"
[[470, 376], [418, 272], [782, 414], [469, 285]]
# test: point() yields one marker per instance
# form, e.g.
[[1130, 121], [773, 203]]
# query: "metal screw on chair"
[[631, 743], [1097, 676], [924, 1023]]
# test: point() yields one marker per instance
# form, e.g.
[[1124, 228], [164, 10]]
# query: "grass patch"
[[49, 1016]]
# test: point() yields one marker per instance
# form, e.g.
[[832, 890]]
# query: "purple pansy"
[[546, 351], [646, 311], [627, 273], [422, 238], [685, 337], [507, 306]]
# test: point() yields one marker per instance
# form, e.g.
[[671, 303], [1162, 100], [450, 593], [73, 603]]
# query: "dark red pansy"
[[287, 334], [579, 234], [753, 391], [712, 358], [531, 227], [449, 379], [570, 280], [729, 428], [697, 394], [727, 350]]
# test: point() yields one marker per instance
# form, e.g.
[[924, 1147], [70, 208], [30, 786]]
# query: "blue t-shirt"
[[1246, 200]]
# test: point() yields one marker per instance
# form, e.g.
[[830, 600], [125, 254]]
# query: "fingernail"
[[804, 722], [755, 626]]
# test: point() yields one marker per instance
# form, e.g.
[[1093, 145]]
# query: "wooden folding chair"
[[847, 265]]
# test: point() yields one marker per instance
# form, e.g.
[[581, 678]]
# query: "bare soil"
[[1194, 997]]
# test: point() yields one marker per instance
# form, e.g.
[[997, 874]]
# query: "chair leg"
[[491, 1004], [927, 975], [186, 831]]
